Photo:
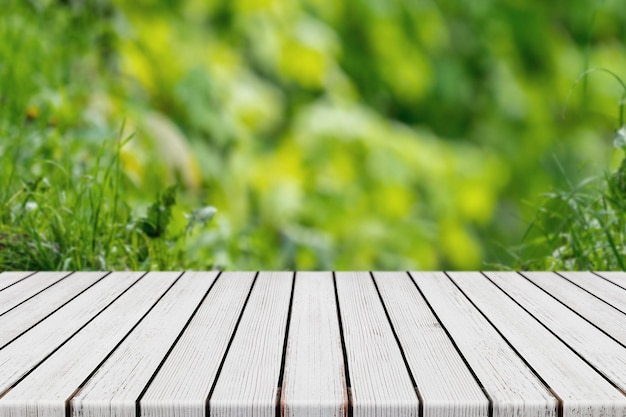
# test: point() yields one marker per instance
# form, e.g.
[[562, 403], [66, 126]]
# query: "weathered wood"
[[312, 344], [9, 278], [248, 382], [601, 288], [602, 315], [582, 390], [380, 382], [32, 311], [314, 382], [44, 392], [26, 352], [182, 386], [511, 385], [603, 353], [118, 383], [445, 383], [23, 290], [616, 277]]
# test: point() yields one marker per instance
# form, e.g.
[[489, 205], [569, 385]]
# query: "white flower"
[[201, 216], [204, 214], [620, 138]]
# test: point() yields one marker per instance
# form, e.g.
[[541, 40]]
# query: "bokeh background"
[[345, 134]]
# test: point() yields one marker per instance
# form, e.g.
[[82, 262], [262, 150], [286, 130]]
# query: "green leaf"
[[159, 214]]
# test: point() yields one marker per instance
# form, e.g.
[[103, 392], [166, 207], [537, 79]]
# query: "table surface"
[[321, 344]]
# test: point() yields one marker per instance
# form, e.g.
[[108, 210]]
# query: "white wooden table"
[[321, 344]]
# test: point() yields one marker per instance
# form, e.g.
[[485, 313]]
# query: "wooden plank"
[[446, 385], [601, 288], [314, 382], [23, 354], [23, 290], [32, 311], [182, 385], [118, 383], [582, 390], [511, 385], [602, 352], [248, 382], [44, 392], [616, 277], [602, 315], [380, 382], [9, 278]]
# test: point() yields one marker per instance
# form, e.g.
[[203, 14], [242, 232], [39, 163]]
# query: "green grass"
[[65, 202], [583, 227], [45, 227], [580, 228], [79, 219]]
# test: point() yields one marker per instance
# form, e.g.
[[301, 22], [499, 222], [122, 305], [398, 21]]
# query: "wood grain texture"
[[602, 352], [92, 344], [44, 392], [118, 383], [582, 390], [602, 315], [182, 386], [512, 386], [23, 290], [601, 288], [446, 384], [23, 354], [32, 311], [380, 382], [616, 277], [248, 382], [314, 383], [9, 278]]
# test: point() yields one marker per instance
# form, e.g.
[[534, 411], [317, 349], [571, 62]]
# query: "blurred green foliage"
[[369, 134]]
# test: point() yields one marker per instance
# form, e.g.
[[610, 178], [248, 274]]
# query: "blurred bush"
[[370, 134]]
